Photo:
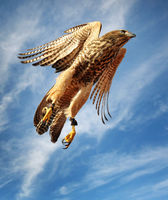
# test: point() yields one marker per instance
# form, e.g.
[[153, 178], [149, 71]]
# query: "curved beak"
[[130, 35]]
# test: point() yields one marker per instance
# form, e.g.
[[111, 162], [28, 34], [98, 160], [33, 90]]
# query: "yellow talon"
[[47, 115], [71, 135], [69, 138]]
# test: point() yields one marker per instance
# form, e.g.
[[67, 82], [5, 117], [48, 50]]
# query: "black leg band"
[[73, 122]]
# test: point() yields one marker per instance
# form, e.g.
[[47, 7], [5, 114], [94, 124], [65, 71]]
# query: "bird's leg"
[[69, 138]]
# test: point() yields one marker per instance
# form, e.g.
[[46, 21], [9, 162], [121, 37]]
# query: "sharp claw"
[[69, 138], [66, 144], [66, 147]]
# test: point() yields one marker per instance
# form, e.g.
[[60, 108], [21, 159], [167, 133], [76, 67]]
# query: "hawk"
[[87, 64]]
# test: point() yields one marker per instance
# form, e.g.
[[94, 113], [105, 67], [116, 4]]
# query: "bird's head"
[[119, 37]]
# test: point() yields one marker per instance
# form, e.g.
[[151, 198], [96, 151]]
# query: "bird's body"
[[86, 60]]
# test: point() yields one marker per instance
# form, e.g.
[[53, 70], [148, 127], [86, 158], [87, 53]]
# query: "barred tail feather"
[[57, 125]]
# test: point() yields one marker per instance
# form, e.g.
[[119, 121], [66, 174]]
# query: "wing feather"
[[100, 93], [63, 50], [60, 55], [96, 89], [75, 28], [48, 54], [66, 62], [52, 43]]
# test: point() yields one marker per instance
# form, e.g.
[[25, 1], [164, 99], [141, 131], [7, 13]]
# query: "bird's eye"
[[123, 31]]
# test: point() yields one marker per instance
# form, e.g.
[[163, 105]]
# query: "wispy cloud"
[[75, 10], [116, 13], [5, 183], [29, 79], [18, 29], [161, 185], [153, 191], [121, 168], [23, 26], [27, 165], [112, 165], [65, 190], [37, 156]]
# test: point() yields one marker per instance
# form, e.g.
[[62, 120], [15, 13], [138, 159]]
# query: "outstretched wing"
[[61, 52], [101, 90]]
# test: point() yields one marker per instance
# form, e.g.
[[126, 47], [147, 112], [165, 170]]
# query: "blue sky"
[[124, 159]]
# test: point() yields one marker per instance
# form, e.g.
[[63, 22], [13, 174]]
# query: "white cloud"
[[121, 168], [28, 157], [34, 162], [5, 183], [24, 26], [162, 108], [17, 30], [116, 12], [75, 10], [29, 79], [65, 190], [126, 167], [161, 185], [156, 190], [66, 159]]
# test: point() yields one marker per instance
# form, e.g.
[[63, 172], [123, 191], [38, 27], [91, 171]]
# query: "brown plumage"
[[85, 60]]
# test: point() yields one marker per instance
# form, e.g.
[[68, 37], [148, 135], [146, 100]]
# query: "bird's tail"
[[57, 125]]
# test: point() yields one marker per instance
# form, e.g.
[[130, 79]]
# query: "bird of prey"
[[87, 64]]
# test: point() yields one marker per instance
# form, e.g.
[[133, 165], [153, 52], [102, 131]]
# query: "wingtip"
[[103, 121], [21, 54], [21, 57], [35, 64], [23, 62]]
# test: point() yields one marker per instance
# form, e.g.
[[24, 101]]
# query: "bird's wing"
[[101, 90], [61, 52]]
